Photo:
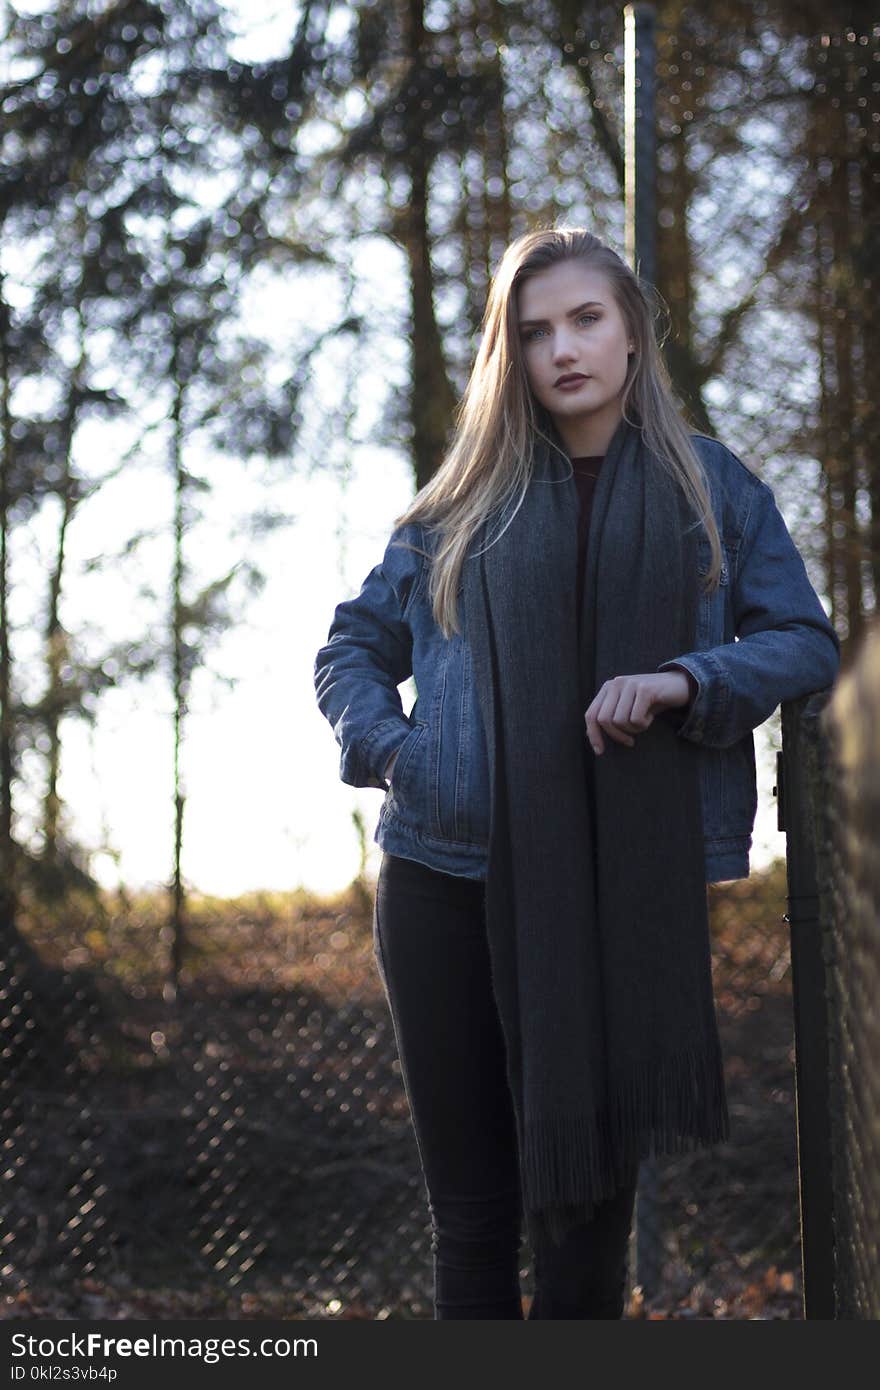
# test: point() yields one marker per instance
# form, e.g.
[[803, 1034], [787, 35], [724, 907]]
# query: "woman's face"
[[570, 327]]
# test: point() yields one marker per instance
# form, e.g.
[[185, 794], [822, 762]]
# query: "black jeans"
[[433, 957]]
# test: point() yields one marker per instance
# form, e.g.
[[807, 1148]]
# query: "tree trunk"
[[56, 655], [843, 306], [8, 852], [675, 191], [178, 674], [837, 316], [431, 396], [866, 287]]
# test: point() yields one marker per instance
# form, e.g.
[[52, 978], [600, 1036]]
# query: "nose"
[[564, 349]]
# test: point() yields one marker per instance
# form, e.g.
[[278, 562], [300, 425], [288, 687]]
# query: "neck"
[[589, 437]]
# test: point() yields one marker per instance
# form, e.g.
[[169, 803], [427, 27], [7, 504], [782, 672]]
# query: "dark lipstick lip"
[[573, 376]]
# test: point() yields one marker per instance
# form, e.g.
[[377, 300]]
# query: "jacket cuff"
[[706, 711]]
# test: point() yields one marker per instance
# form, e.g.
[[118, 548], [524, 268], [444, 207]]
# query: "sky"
[[265, 808]]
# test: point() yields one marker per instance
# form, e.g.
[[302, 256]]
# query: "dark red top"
[[586, 471]]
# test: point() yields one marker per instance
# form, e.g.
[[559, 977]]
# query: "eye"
[[591, 317], [530, 333]]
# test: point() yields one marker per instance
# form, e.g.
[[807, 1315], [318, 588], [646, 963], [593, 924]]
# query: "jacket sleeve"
[[367, 655], [785, 645]]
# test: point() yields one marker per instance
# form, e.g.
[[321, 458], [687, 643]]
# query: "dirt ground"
[[243, 1150]]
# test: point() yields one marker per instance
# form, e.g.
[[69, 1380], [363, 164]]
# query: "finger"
[[607, 720], [593, 735], [632, 713], [641, 716], [620, 718], [590, 717]]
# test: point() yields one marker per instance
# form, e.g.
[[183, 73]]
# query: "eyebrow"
[[589, 304]]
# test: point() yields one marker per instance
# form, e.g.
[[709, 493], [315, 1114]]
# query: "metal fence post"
[[640, 138], [640, 179], [799, 788]]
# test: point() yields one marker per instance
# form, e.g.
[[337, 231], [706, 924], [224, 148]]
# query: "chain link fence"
[[848, 859], [245, 1149]]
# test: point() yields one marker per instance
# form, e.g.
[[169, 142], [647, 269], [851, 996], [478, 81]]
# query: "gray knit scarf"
[[596, 907]]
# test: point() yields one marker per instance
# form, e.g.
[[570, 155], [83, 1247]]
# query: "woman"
[[566, 591]]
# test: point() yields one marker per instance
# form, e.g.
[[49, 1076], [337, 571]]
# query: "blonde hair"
[[498, 420]]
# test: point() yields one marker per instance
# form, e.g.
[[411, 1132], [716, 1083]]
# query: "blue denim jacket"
[[762, 637]]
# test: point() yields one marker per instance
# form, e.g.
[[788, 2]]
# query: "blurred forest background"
[[159, 191]]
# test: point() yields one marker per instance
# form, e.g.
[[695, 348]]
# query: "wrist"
[[693, 688]]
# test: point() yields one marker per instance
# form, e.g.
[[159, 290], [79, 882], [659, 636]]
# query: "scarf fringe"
[[574, 1161]]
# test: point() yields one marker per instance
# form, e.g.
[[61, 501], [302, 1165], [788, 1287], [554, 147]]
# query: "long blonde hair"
[[498, 420]]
